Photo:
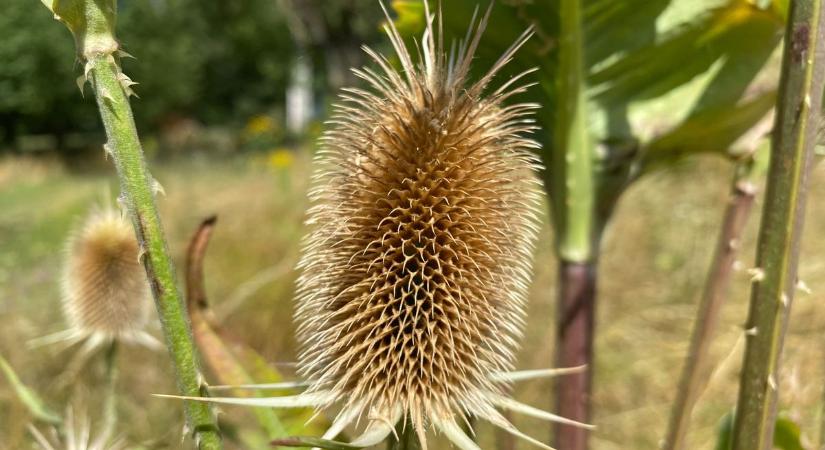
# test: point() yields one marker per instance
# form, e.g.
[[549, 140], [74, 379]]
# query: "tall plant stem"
[[691, 384], [92, 22], [110, 399], [794, 139], [407, 439], [576, 316], [138, 193], [572, 182]]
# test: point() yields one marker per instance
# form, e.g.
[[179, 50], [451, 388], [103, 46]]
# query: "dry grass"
[[654, 262]]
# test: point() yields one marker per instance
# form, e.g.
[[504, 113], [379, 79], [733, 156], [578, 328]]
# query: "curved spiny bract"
[[105, 292], [425, 211]]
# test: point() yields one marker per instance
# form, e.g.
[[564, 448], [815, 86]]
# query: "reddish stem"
[[576, 312]]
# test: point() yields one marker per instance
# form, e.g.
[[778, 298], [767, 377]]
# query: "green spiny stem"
[[92, 22], [138, 194], [794, 139], [692, 382]]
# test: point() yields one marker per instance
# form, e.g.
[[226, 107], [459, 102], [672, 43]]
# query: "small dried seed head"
[[424, 217], [104, 285]]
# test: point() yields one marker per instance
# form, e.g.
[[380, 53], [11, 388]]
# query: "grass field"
[[655, 257]]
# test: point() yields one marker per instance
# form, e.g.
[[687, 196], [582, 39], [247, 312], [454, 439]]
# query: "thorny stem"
[[92, 22], [138, 195], [693, 379], [794, 139]]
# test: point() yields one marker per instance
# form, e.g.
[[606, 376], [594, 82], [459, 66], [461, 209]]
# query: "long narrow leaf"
[[36, 406]]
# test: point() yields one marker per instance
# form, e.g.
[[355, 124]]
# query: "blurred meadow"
[[222, 139], [656, 265]]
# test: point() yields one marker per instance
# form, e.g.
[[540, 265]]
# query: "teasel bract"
[[106, 296], [414, 275], [75, 433]]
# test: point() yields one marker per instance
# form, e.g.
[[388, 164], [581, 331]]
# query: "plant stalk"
[[798, 109], [572, 188], [110, 399], [138, 194], [577, 312], [694, 373], [407, 439], [505, 440], [92, 22]]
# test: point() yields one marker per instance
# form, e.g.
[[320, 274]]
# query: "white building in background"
[[299, 101]]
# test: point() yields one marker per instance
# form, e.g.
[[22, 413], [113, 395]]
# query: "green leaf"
[[786, 435], [710, 131], [739, 34], [652, 70], [28, 397], [724, 432], [409, 17]]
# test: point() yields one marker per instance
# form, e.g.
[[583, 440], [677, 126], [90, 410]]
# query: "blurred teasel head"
[[105, 292], [416, 267]]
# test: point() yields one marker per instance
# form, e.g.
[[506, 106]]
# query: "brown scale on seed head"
[[425, 213]]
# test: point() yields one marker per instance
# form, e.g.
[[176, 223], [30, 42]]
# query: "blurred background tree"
[[205, 64]]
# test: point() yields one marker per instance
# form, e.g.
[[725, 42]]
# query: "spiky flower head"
[[424, 218], [415, 271], [105, 292]]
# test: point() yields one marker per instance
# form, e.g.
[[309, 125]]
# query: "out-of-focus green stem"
[[110, 399], [799, 106], [747, 175], [573, 175], [92, 22], [407, 439]]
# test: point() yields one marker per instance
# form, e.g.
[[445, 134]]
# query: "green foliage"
[[35, 53], [213, 61], [654, 73], [168, 40], [248, 52]]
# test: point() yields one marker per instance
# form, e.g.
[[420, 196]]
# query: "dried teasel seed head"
[[105, 292], [425, 211], [410, 303]]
